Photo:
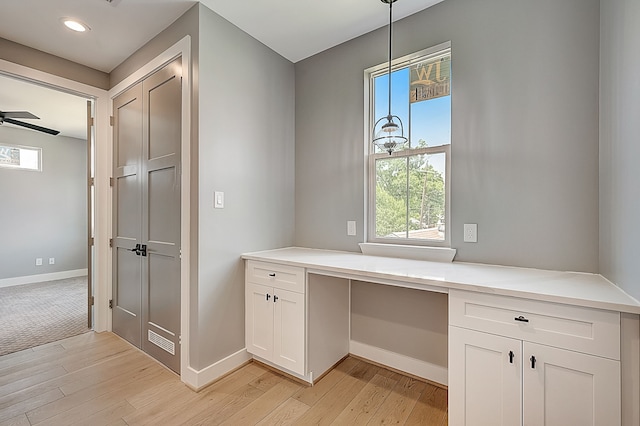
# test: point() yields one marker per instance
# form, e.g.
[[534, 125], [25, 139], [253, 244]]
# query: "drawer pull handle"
[[275, 298], [511, 355], [521, 319], [533, 361], [272, 274], [268, 296]]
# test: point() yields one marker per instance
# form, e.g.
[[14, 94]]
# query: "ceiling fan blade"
[[31, 126], [18, 114]]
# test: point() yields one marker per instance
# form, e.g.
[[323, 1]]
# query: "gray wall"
[[44, 214], [524, 148], [243, 144], [36, 59], [246, 150], [524, 130], [619, 147]]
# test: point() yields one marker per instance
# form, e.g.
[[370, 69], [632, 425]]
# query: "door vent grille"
[[162, 343]]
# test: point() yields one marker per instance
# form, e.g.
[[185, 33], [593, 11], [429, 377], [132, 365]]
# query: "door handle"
[[140, 250], [521, 319]]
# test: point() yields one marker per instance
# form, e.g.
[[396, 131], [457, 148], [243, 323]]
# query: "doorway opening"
[[47, 215]]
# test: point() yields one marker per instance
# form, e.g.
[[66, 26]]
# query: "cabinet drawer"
[[587, 330], [279, 276]]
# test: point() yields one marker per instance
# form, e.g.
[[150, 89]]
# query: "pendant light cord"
[[390, 44]]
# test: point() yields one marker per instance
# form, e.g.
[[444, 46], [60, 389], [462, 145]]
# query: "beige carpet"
[[35, 314]]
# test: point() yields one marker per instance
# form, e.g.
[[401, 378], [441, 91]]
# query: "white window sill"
[[433, 254]]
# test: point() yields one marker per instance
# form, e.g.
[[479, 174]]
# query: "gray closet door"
[[146, 308], [127, 213], [161, 135]]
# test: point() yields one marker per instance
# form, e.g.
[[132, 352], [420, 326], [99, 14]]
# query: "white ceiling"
[[295, 29]]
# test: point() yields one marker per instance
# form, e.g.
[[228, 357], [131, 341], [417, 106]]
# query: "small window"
[[19, 157], [408, 195]]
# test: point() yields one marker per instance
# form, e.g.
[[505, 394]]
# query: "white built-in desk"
[[521, 333]]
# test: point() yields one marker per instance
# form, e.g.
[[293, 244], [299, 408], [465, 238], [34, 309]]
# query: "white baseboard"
[[416, 367], [197, 379], [30, 279]]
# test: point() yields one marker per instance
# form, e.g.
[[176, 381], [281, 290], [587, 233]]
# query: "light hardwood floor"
[[98, 379]]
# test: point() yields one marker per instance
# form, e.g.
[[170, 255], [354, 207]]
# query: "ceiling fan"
[[9, 116]]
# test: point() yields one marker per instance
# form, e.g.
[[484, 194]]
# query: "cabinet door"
[[259, 320], [569, 388], [288, 330], [485, 373]]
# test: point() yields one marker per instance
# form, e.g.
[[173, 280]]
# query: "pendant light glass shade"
[[388, 132]]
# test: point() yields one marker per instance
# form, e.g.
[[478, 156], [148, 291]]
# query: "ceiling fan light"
[[75, 25]]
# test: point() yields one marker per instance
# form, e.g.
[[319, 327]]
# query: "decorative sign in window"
[[15, 157], [430, 79]]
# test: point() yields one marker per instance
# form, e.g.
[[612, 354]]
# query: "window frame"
[[31, 148], [371, 156]]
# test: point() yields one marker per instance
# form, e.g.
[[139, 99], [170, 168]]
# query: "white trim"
[[416, 367], [433, 254], [101, 312], [180, 49], [30, 279], [197, 379], [370, 156]]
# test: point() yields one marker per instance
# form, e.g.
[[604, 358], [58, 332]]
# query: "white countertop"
[[572, 288]]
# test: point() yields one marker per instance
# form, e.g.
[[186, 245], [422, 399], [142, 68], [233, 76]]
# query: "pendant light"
[[389, 136]]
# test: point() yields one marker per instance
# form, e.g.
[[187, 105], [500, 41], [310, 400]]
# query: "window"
[[408, 194], [18, 157]]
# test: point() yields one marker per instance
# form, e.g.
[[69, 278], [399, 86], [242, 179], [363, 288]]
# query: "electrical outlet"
[[52, 261], [39, 261], [351, 227], [470, 232]]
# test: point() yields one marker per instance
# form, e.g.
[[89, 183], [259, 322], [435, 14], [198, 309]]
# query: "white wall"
[[43, 214], [619, 143]]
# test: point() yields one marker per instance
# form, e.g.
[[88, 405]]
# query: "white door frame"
[[181, 48], [102, 173]]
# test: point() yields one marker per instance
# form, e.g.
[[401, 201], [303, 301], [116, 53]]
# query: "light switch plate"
[[351, 227], [218, 200], [470, 232]]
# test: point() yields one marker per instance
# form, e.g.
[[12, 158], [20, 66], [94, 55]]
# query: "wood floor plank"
[[365, 404], [210, 396], [430, 409], [397, 407], [332, 403], [263, 405], [226, 407], [108, 382], [30, 404], [311, 394], [30, 379], [286, 413], [75, 407], [20, 420]]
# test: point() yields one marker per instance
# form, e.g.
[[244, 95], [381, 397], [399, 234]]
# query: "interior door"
[[127, 215], [161, 135], [146, 248]]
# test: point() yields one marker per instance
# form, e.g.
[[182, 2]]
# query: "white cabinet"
[[521, 362], [275, 316], [296, 322]]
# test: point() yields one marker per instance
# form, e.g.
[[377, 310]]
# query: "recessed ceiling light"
[[75, 25]]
